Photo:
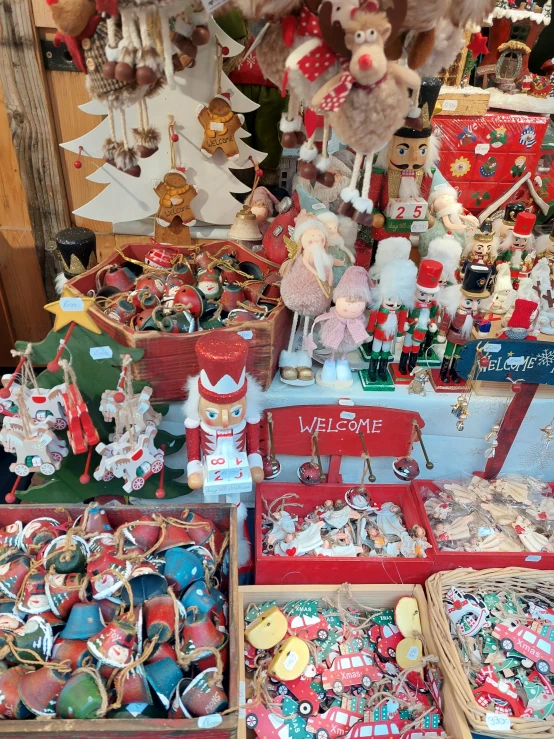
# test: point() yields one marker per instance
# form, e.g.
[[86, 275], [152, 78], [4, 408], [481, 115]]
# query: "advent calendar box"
[[484, 156]]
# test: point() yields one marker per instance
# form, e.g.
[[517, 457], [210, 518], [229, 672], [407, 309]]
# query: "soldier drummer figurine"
[[421, 318], [223, 407], [473, 290]]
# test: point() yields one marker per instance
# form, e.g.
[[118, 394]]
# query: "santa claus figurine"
[[222, 416]]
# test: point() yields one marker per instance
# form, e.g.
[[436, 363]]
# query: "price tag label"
[[101, 352], [515, 361], [242, 699], [492, 348], [413, 653], [209, 722], [212, 5], [482, 148], [498, 722], [449, 104], [348, 416], [72, 305], [318, 206], [216, 126], [419, 227], [246, 335], [290, 660], [533, 558]]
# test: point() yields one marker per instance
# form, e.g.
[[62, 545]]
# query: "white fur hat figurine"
[[448, 251], [503, 279], [398, 279], [304, 221], [388, 250]]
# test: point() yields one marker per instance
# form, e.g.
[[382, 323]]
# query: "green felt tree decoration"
[[94, 376]]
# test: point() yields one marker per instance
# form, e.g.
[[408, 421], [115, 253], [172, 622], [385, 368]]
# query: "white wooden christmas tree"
[[129, 198]]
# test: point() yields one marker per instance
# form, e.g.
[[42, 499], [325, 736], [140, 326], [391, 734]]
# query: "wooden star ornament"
[[478, 45], [72, 309]]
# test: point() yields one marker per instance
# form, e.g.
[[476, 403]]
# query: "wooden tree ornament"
[[219, 122], [175, 214]]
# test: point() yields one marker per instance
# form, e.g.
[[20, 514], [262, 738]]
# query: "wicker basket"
[[511, 578]]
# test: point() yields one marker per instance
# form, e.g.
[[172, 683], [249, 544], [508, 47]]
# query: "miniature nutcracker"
[[393, 298], [401, 181], [518, 248], [421, 318], [222, 420], [343, 327], [306, 290], [472, 292], [503, 226], [481, 249]]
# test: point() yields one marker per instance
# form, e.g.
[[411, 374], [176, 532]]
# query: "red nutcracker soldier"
[[421, 318], [401, 181], [394, 296], [222, 420], [518, 248]]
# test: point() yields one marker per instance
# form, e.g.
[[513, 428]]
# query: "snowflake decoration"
[[477, 451], [460, 167], [538, 456], [490, 407], [546, 358]]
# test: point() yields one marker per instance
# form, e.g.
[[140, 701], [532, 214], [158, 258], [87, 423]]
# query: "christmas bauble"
[[405, 468], [272, 468], [309, 473], [484, 361]]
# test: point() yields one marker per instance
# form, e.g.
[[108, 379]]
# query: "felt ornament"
[[367, 101], [220, 125]]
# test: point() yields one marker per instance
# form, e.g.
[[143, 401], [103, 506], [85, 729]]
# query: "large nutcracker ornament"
[[472, 292], [394, 296], [518, 248], [401, 181], [421, 318], [222, 420]]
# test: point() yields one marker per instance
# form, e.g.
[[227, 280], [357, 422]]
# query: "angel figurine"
[[341, 545], [457, 530], [338, 516], [283, 524], [531, 539], [301, 542]]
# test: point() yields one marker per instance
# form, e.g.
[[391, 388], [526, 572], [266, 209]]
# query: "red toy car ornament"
[[308, 702], [350, 670], [333, 723], [370, 729], [309, 627], [265, 723], [535, 645]]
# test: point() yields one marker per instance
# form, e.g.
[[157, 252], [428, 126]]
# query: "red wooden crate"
[[169, 359], [224, 516], [478, 560], [336, 570]]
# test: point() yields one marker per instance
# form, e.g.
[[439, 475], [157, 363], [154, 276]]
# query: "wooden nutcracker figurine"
[[421, 318], [473, 290], [503, 226], [401, 180], [222, 420], [481, 249], [393, 297], [518, 248]]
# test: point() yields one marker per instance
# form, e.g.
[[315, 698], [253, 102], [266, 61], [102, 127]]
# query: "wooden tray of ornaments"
[[169, 359], [376, 596], [225, 516]]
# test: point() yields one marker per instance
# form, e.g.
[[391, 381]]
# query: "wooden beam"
[[28, 108]]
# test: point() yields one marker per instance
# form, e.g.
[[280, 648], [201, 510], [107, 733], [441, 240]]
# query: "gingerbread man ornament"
[[175, 196], [220, 126]]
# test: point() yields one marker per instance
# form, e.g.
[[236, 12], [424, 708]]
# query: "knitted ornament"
[[304, 221], [353, 285], [523, 314]]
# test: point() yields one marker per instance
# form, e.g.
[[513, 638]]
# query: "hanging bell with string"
[[245, 226]]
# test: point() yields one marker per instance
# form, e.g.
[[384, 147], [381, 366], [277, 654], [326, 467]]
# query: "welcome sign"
[[530, 361]]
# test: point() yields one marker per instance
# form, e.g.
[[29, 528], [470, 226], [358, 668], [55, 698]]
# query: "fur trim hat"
[[262, 196], [304, 221], [449, 299], [448, 251], [397, 247], [442, 190], [398, 279], [353, 284], [503, 279]]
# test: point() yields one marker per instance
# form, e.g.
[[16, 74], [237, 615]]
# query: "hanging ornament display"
[[460, 409], [219, 122], [175, 194], [492, 436], [311, 473]]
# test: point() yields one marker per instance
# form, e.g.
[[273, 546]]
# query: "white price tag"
[[290, 660], [482, 148], [533, 558], [419, 227], [348, 416], [209, 722], [101, 352], [413, 653], [492, 348], [212, 5], [242, 699], [216, 126], [515, 361], [246, 335], [72, 305], [318, 206], [497, 721], [449, 104]]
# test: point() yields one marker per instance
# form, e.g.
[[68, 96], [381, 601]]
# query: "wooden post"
[[510, 426], [32, 130]]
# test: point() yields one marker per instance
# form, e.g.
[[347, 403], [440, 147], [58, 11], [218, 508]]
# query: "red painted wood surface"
[[388, 432], [271, 570], [510, 426], [224, 515]]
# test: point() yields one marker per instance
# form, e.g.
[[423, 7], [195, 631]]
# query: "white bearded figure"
[[222, 418]]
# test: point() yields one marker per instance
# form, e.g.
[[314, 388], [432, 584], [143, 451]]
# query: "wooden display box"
[[331, 570], [225, 517], [376, 596], [444, 560], [456, 102], [169, 359]]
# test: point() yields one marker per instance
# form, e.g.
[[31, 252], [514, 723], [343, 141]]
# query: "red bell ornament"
[[309, 473], [405, 468]]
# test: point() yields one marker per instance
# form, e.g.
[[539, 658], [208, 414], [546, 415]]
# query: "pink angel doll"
[[343, 327], [306, 290], [263, 205]]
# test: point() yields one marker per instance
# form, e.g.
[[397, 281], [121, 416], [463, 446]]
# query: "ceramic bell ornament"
[[343, 328], [222, 420], [306, 289], [245, 226]]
